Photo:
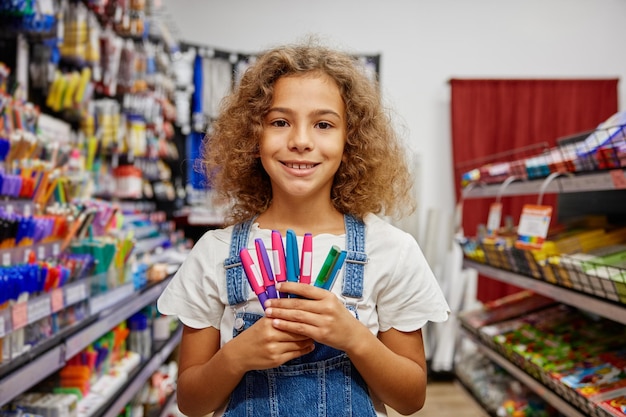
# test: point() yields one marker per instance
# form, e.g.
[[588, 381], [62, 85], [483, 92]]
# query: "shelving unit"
[[604, 308], [583, 189], [134, 385], [53, 359], [592, 181]]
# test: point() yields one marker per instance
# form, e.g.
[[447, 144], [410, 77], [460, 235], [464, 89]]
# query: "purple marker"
[[266, 268]]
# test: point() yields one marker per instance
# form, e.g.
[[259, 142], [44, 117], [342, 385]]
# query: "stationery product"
[[306, 263], [278, 253], [293, 267], [330, 268], [253, 275], [266, 268]]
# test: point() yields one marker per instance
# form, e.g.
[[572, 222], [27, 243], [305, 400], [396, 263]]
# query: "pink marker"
[[253, 275], [265, 267], [306, 262], [278, 254]]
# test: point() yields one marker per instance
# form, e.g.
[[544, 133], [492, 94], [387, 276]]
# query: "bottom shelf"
[[137, 380], [548, 395]]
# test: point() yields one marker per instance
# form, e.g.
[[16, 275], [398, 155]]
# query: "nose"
[[300, 140]]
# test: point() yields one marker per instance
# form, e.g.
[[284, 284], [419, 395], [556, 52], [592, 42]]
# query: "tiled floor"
[[447, 399]]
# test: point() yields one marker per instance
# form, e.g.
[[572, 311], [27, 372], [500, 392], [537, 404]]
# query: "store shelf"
[[129, 390], [551, 397], [54, 359], [32, 373], [592, 181], [604, 308], [111, 317]]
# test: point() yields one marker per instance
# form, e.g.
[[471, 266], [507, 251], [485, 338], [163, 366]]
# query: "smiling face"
[[304, 133]]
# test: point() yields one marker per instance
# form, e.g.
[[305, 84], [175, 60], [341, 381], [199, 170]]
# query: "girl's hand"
[[262, 346], [317, 314]]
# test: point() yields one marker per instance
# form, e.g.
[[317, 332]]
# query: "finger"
[[303, 290], [305, 329]]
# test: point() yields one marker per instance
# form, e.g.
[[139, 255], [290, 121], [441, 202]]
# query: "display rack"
[[551, 397], [599, 306], [139, 379], [46, 363], [582, 191]]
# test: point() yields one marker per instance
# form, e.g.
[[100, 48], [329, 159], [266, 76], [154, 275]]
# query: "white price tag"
[[533, 226], [39, 308], [494, 219], [75, 294], [6, 259]]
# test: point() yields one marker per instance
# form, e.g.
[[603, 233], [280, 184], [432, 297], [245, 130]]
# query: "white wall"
[[423, 44]]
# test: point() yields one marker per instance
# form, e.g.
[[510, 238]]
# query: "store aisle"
[[447, 399]]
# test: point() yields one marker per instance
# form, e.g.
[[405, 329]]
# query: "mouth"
[[295, 165]]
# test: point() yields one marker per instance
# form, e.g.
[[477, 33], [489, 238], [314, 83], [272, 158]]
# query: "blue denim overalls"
[[323, 383]]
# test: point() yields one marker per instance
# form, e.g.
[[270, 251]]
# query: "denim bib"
[[323, 383]]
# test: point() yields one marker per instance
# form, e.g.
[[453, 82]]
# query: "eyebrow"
[[320, 112]]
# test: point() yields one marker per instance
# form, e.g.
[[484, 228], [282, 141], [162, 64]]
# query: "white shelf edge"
[[541, 390], [576, 299], [26, 376], [115, 315], [583, 182]]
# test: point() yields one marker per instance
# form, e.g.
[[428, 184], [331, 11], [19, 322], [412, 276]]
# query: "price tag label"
[[19, 315], [76, 293], [41, 252], [533, 226], [27, 252], [2, 328], [6, 259], [56, 300], [618, 178], [38, 308], [55, 250], [494, 219]]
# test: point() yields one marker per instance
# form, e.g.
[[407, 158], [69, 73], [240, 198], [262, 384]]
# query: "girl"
[[304, 144]]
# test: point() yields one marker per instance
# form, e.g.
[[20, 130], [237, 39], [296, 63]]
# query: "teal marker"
[[293, 257]]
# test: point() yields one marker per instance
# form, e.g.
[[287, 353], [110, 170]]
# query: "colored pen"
[[266, 268], [334, 271], [253, 275], [278, 253], [306, 263], [293, 267], [330, 260]]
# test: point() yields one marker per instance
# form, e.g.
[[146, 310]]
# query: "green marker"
[[330, 261]]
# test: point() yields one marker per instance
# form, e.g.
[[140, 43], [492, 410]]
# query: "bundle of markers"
[[288, 265]]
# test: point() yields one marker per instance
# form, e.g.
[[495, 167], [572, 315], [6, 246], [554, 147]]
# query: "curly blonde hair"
[[374, 175]]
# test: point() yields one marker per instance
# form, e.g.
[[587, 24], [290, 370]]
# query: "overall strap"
[[355, 259], [236, 283]]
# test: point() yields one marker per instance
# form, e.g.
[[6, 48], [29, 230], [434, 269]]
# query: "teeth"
[[300, 166]]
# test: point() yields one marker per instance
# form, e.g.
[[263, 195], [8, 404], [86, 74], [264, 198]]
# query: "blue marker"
[[293, 257]]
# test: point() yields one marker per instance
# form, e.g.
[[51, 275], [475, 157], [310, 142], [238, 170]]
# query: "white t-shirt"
[[399, 288]]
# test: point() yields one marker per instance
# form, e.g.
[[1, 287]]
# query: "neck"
[[302, 219]]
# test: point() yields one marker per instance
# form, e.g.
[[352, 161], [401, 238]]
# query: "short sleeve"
[[411, 296], [193, 293]]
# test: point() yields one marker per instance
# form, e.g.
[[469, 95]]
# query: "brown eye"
[[279, 123]]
